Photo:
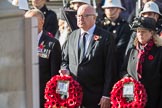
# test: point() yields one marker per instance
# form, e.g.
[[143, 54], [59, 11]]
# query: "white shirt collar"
[[89, 35], [39, 35], [90, 31]]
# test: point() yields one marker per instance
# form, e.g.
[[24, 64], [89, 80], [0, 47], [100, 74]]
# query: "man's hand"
[[64, 72], [104, 102]]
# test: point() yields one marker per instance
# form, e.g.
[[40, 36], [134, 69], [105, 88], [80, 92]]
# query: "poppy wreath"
[[117, 99], [54, 100]]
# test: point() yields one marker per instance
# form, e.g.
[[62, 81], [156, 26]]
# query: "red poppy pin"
[[41, 47], [150, 57], [96, 37]]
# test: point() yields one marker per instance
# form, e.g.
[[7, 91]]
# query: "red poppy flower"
[[41, 46], [150, 57], [54, 100], [117, 99], [96, 37]]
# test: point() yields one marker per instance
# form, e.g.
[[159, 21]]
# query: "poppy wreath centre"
[[54, 100], [117, 99]]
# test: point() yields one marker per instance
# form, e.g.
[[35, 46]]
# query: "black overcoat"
[[49, 52], [151, 74], [121, 32], [51, 22]]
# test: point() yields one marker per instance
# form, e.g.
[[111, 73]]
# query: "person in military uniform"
[[51, 22], [117, 26], [49, 52], [158, 2], [150, 10], [75, 4]]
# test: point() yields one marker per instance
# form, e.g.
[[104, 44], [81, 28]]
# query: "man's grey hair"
[[35, 13]]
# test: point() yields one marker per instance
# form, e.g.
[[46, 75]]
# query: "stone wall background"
[[18, 66], [12, 83], [16, 81]]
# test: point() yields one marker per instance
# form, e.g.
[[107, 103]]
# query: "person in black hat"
[[150, 10], [143, 61]]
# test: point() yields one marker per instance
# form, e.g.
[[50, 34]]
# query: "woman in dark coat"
[[143, 61]]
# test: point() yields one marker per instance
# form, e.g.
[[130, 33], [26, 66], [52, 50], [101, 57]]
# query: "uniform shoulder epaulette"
[[50, 35]]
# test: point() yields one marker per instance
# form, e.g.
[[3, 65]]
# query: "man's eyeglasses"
[[84, 16]]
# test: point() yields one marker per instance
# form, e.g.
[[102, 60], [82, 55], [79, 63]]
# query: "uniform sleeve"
[[51, 23], [65, 58], [124, 37], [160, 102], [55, 58], [110, 66], [123, 72]]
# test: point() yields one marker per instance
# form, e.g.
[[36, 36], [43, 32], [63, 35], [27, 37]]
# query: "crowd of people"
[[98, 46]]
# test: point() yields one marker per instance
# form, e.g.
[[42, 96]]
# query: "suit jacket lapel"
[[90, 47], [77, 44], [131, 64], [92, 44]]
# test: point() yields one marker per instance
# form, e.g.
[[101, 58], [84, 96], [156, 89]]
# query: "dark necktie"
[[82, 46]]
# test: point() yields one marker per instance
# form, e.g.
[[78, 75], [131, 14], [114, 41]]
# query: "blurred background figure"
[[51, 22], [63, 31], [151, 10], [67, 20], [158, 2], [118, 26], [15, 2], [21, 4], [130, 6], [75, 4], [69, 12]]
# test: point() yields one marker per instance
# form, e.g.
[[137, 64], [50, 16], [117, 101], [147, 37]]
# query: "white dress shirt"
[[39, 36], [88, 36]]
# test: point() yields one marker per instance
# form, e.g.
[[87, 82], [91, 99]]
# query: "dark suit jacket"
[[96, 72], [51, 22], [49, 61], [151, 74]]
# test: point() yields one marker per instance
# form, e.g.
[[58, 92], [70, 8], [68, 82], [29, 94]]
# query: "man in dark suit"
[[49, 52], [95, 68], [51, 22]]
